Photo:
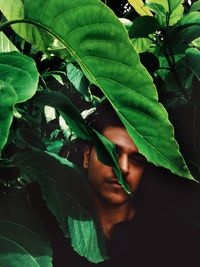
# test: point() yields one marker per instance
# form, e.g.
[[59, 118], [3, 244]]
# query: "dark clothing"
[[149, 240], [155, 240], [152, 238]]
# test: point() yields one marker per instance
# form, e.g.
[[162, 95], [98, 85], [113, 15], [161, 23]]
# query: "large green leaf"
[[23, 240], [14, 9], [99, 43], [18, 83], [66, 192]]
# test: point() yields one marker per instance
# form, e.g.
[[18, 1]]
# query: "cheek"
[[134, 177]]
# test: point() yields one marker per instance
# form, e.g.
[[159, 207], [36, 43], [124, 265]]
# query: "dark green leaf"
[[109, 157], [68, 111], [65, 190], [143, 26], [193, 61], [23, 240]]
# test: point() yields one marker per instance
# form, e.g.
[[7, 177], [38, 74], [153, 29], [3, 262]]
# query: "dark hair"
[[103, 117]]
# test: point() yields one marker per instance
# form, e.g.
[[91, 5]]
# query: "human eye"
[[137, 159]]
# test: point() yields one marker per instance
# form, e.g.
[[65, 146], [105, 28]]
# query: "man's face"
[[103, 181]]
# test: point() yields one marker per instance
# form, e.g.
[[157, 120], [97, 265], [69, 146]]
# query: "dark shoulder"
[[156, 239]]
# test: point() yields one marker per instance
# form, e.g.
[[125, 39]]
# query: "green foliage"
[[78, 44], [18, 83], [21, 232], [66, 193]]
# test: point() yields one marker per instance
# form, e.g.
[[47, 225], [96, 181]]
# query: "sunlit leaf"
[[18, 83], [139, 7], [5, 44], [99, 43]]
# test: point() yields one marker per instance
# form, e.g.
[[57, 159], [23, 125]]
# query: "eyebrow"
[[134, 153]]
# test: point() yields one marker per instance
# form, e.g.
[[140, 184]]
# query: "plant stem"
[[10, 22]]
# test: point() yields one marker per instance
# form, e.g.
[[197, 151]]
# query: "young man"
[[139, 229], [112, 203], [137, 236]]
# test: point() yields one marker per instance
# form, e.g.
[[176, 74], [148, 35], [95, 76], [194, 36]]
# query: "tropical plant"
[[52, 53]]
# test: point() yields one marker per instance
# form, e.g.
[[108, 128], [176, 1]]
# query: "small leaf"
[[5, 44], [193, 61], [78, 79], [195, 6], [109, 157], [139, 7], [143, 26], [142, 45]]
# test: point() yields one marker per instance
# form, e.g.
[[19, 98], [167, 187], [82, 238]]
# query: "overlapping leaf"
[[100, 44], [66, 193], [18, 82], [21, 232]]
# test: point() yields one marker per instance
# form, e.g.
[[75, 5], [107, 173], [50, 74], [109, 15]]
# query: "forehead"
[[120, 137]]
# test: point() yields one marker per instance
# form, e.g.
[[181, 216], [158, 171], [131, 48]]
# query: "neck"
[[109, 215]]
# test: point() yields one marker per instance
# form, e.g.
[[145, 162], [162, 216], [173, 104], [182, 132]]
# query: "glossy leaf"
[[23, 240], [168, 12], [66, 193], [169, 5], [14, 10], [101, 47], [77, 78], [18, 83]]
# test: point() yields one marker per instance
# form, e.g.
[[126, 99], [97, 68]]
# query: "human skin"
[[103, 181]]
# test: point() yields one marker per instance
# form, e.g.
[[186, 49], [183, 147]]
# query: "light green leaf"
[[14, 10], [169, 5], [18, 83], [65, 190], [78, 79], [23, 240], [99, 42], [141, 45], [168, 12], [195, 6], [5, 44]]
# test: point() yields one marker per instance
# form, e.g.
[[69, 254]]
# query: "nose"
[[123, 164]]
